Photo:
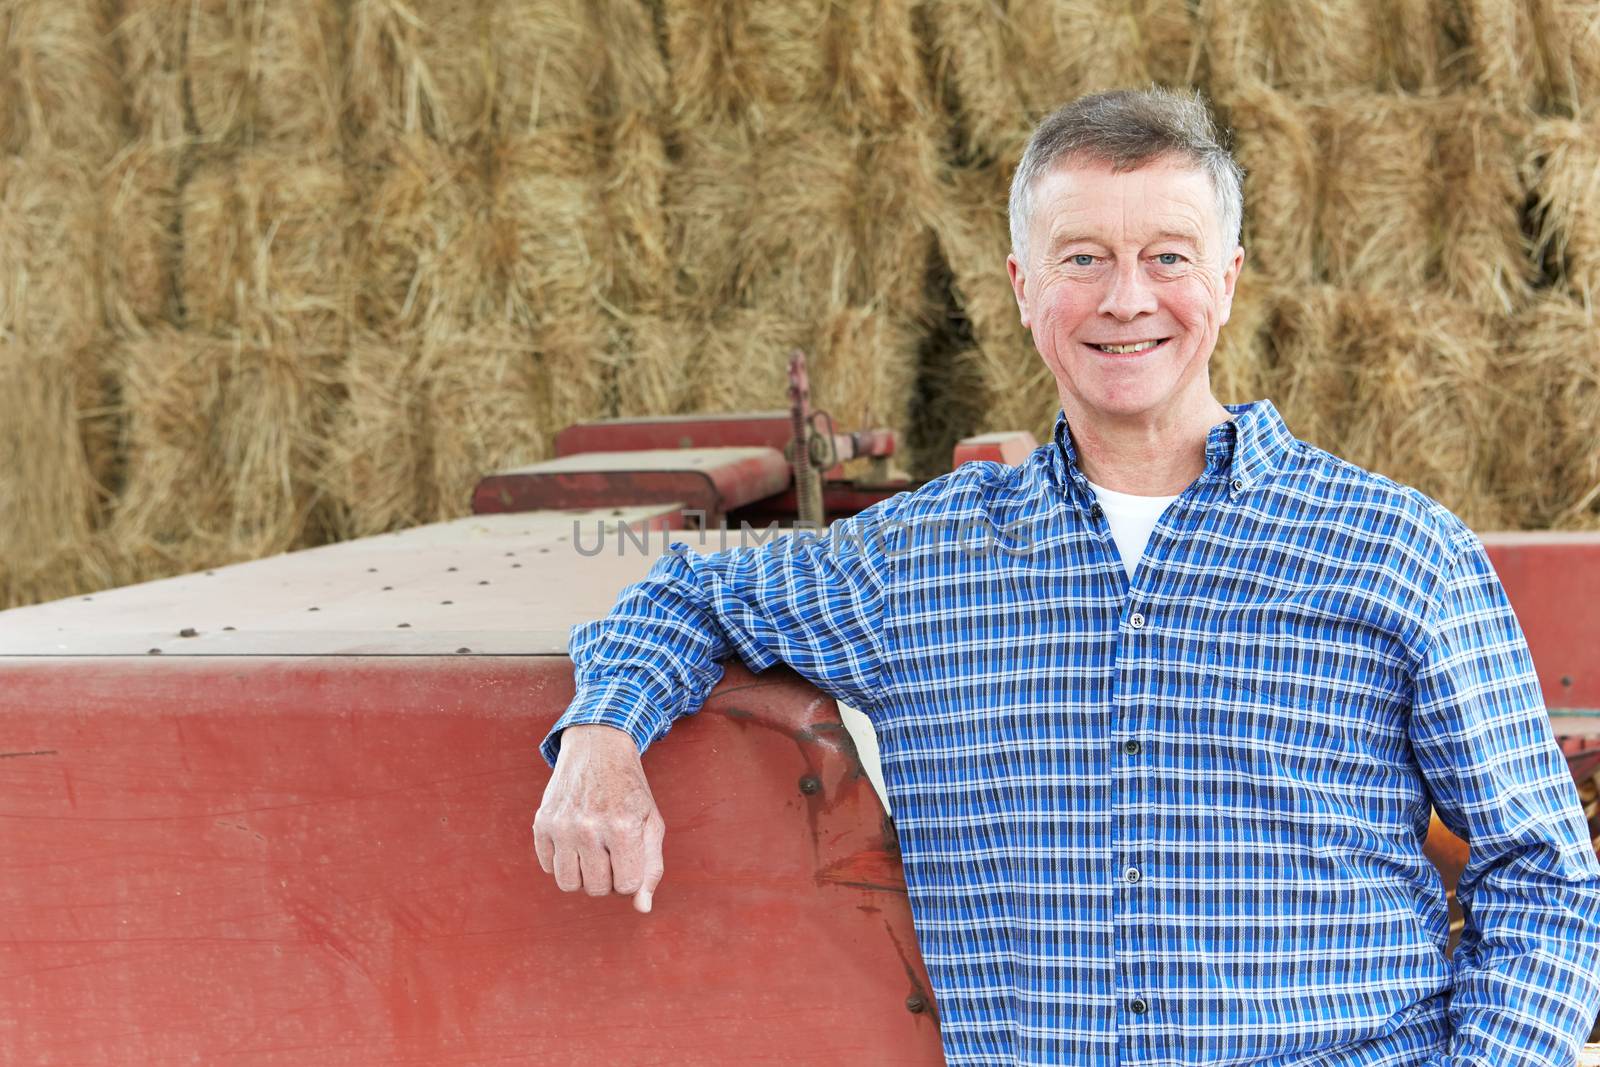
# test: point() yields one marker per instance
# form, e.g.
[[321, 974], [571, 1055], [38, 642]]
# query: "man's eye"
[[1169, 259], [1082, 259]]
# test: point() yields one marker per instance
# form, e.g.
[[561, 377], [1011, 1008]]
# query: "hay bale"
[[1562, 174], [635, 203], [864, 366], [49, 225], [58, 79], [1239, 367], [1380, 191], [264, 71], [636, 69], [975, 48], [653, 355], [1485, 256], [377, 464], [149, 35], [48, 491], [418, 67], [549, 65], [741, 360], [1421, 414], [1169, 40], [1501, 54], [1084, 46], [50, 306], [1310, 378], [633, 115], [708, 212], [741, 60], [225, 447], [876, 79], [593, 71], [139, 260], [1568, 36], [1416, 40], [1005, 72], [1328, 46], [492, 400], [548, 213], [265, 243], [900, 198], [1018, 392], [797, 253], [1548, 460], [421, 238], [1276, 144]]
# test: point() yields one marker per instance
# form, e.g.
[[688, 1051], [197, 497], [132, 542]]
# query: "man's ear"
[[1230, 279], [1019, 289]]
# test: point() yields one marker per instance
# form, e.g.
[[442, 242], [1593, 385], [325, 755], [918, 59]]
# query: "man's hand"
[[598, 826]]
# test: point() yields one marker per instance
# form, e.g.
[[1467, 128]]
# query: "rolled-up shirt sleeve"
[[814, 602], [1526, 974]]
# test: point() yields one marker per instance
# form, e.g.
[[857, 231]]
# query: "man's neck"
[[1145, 457]]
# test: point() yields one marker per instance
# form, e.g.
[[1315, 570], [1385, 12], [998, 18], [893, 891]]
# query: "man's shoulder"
[[1341, 492]]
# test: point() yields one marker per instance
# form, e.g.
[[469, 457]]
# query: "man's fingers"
[[654, 832], [627, 860], [545, 848], [596, 868], [568, 876]]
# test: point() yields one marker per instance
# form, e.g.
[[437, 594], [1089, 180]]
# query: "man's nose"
[[1128, 294]]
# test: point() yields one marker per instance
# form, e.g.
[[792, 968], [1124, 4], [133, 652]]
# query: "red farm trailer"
[[278, 813]]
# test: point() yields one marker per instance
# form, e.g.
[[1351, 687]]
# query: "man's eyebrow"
[[1179, 235], [1067, 237]]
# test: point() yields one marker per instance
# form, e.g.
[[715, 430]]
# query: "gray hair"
[[1127, 129]]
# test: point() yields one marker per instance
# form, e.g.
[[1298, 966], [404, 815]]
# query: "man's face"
[[1126, 259]]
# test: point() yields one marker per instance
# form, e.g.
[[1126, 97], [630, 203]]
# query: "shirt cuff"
[[614, 702]]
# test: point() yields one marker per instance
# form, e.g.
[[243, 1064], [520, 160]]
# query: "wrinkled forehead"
[[1165, 195]]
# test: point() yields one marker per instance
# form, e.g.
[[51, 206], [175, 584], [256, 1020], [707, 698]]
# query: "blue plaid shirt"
[[1178, 819]]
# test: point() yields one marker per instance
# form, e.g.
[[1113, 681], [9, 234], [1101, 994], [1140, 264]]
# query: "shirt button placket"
[[1131, 835]]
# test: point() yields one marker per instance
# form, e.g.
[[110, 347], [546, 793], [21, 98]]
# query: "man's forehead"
[[1163, 198]]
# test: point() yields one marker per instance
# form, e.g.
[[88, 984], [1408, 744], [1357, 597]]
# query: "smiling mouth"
[[1133, 348]]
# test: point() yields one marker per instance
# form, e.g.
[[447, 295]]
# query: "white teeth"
[[1123, 350]]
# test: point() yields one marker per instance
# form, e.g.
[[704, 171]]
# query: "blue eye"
[[1083, 259], [1169, 259]]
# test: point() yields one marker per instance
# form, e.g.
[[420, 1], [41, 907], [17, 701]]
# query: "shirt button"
[[1238, 485], [1131, 875], [1132, 747], [1138, 1006], [1136, 621], [1095, 512]]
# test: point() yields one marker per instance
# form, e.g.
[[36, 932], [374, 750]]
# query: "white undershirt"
[[1131, 519]]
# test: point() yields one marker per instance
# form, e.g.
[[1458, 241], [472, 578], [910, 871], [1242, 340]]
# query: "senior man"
[[1162, 748]]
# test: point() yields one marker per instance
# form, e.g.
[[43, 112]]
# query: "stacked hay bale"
[[511, 240], [229, 394], [60, 126], [283, 271], [800, 209]]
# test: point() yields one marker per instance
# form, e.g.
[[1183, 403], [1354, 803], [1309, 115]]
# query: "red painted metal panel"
[[328, 861], [711, 481], [769, 429], [1553, 581]]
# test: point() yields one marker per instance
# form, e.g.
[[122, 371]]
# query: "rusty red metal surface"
[[278, 860], [710, 481], [768, 429]]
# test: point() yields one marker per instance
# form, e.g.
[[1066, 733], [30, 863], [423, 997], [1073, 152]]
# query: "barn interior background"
[[275, 272]]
